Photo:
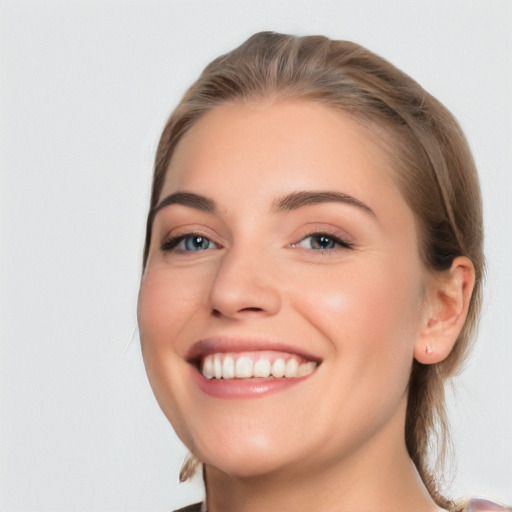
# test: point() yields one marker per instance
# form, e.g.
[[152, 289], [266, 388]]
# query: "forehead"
[[276, 141]]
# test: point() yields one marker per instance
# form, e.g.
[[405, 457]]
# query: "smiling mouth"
[[259, 364]]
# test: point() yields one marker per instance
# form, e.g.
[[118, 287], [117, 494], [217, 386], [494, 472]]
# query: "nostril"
[[217, 314]]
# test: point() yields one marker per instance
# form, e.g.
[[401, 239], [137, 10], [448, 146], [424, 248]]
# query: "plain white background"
[[85, 87]]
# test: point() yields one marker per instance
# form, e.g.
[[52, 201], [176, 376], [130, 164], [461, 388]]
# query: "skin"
[[335, 441]]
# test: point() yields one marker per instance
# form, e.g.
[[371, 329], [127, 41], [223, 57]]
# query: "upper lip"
[[216, 344]]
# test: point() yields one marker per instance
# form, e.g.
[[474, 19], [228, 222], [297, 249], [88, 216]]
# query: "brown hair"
[[430, 157]]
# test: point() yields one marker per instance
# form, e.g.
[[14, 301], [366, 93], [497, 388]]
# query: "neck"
[[377, 476]]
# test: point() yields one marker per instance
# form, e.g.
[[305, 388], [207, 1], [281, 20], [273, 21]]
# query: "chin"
[[245, 466], [245, 460]]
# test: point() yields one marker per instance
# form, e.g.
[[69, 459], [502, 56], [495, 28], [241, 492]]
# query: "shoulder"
[[480, 504], [197, 507]]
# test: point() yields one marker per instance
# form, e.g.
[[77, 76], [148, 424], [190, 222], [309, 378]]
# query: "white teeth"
[[228, 367], [311, 367], [208, 368], [243, 368], [305, 369], [217, 365], [291, 368], [262, 368], [278, 368], [246, 366]]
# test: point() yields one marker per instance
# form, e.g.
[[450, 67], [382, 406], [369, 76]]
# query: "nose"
[[245, 285]]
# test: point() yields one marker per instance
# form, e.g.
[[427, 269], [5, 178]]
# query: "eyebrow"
[[297, 200], [290, 202], [189, 199]]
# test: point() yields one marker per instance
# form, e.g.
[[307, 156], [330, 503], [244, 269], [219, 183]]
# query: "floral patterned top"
[[480, 504]]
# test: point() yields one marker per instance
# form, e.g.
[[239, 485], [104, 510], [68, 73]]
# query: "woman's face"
[[281, 246]]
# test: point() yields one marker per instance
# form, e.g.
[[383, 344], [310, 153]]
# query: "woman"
[[312, 278]]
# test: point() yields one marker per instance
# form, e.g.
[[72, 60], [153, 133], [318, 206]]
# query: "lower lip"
[[244, 388]]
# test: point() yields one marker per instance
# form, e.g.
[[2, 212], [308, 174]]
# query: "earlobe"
[[448, 299]]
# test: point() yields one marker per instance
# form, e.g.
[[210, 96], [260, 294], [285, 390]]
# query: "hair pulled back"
[[431, 162]]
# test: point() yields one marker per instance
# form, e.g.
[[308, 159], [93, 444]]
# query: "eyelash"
[[172, 244], [339, 242]]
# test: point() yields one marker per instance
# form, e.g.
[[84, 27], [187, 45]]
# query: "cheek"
[[166, 300], [365, 310], [165, 303], [367, 317]]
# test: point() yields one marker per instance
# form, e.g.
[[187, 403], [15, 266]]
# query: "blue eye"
[[189, 243], [322, 242], [196, 243]]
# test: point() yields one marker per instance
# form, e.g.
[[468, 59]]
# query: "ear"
[[447, 304]]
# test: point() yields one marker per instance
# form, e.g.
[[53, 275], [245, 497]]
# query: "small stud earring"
[[428, 350]]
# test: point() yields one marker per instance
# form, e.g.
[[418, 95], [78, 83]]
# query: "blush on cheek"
[[150, 308], [164, 294], [167, 302], [331, 304], [326, 311]]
